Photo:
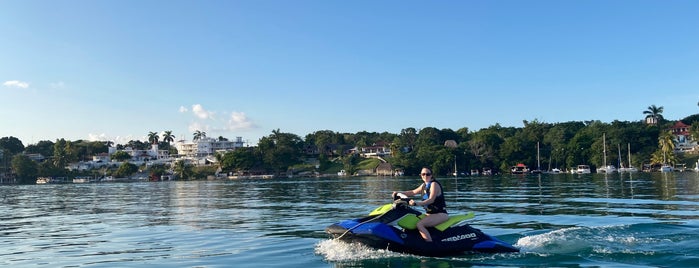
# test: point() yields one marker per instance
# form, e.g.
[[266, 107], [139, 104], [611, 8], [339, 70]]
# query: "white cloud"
[[200, 112], [183, 109], [194, 126], [97, 137], [116, 140], [16, 84], [239, 121]]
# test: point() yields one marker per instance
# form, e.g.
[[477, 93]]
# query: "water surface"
[[564, 220]]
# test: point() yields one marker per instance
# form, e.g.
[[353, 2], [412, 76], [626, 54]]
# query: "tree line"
[[559, 145]]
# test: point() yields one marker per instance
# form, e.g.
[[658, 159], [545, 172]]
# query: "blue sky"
[[117, 70]]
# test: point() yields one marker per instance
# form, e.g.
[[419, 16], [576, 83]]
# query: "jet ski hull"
[[455, 240]]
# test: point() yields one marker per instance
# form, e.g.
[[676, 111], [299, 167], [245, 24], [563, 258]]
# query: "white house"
[[207, 146]]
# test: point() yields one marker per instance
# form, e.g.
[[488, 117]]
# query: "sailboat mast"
[[628, 149], [538, 163], [456, 173], [604, 146], [618, 146]]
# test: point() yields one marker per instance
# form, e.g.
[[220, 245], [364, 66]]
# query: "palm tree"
[[168, 137], [153, 137], [183, 169], [667, 146], [653, 113], [198, 135]]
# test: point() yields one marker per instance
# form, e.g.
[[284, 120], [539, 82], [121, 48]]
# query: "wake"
[[336, 251]]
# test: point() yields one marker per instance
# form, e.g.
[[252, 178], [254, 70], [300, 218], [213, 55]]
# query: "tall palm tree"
[[153, 137], [667, 144], [198, 135], [168, 137], [654, 112]]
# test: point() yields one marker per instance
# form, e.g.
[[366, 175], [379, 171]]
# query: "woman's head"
[[426, 174]]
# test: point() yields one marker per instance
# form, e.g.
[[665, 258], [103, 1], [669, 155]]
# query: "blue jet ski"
[[393, 227]]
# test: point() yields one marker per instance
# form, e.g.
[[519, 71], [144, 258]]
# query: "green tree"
[[135, 145], [125, 170], [654, 112], [694, 131], [25, 169], [198, 135], [429, 136], [153, 137], [48, 169], [321, 140], [120, 156], [168, 137], [239, 160], [44, 148], [281, 150], [11, 145], [183, 170], [666, 147], [155, 171], [60, 154], [408, 138]]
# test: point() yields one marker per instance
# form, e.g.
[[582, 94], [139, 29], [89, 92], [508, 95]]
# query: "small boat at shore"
[[519, 169], [583, 169]]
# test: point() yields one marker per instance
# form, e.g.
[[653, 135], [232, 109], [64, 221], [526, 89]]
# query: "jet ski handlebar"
[[400, 198]]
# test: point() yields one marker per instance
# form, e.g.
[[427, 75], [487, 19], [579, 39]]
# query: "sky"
[[119, 69]]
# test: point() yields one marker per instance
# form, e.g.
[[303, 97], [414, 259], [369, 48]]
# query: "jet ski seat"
[[409, 221]]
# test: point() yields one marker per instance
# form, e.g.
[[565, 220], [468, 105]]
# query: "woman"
[[432, 200]]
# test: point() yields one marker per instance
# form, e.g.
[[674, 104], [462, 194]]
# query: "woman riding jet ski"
[[393, 227]]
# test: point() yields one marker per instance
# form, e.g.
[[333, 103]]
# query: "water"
[[559, 220]]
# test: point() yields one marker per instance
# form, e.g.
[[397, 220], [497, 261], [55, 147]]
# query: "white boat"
[[555, 171], [630, 168], [696, 167], [583, 169], [51, 180], [666, 168], [606, 168], [342, 173], [81, 179], [519, 169]]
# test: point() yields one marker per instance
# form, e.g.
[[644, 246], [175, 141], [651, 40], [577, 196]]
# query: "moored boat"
[[607, 169], [519, 169], [583, 169], [666, 168]]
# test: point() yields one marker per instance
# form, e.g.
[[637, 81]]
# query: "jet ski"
[[393, 227]]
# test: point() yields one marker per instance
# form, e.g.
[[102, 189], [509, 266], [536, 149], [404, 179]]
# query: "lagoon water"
[[563, 220]]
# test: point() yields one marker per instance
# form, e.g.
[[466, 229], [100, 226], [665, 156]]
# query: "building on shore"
[[207, 146]]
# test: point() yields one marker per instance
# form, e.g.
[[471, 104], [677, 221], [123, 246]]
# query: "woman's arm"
[[412, 192]]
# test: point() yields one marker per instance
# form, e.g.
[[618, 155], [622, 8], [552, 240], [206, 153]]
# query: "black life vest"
[[440, 204]]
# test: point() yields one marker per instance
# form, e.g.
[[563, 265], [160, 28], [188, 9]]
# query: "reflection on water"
[[563, 219]]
